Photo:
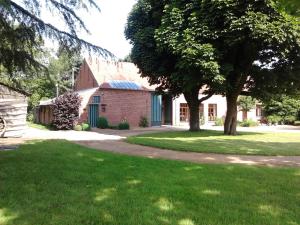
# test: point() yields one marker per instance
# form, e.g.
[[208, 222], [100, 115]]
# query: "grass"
[[59, 183], [215, 142], [38, 126]]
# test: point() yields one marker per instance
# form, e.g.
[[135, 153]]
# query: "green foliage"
[[273, 119], [181, 46], [78, 127], [284, 107], [297, 123], [22, 30], [219, 122], [124, 125], [290, 6], [143, 122], [248, 123], [86, 127], [30, 117], [202, 120], [102, 122], [246, 103]]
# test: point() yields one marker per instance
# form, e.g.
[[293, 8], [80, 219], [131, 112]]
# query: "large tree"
[[254, 44], [183, 68], [22, 30]]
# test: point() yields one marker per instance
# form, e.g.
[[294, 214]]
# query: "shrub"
[[297, 123], [30, 117], [78, 127], [86, 127], [219, 122], [66, 111], [143, 122], [289, 119], [102, 122], [273, 119], [124, 125], [202, 120], [248, 123]]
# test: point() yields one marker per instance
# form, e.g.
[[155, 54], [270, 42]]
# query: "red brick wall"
[[123, 104], [85, 78]]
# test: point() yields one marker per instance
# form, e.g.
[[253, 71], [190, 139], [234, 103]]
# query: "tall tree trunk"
[[231, 115], [193, 104]]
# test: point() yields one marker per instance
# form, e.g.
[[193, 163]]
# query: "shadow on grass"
[[56, 182], [202, 133]]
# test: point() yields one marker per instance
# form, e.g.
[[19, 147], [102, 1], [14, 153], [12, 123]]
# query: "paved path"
[[150, 152]]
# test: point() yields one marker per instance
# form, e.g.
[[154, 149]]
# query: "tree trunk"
[[231, 115], [193, 104]]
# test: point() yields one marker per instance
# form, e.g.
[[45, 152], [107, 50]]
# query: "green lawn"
[[59, 183], [215, 142]]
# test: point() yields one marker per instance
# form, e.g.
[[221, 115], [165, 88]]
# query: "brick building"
[[114, 90]]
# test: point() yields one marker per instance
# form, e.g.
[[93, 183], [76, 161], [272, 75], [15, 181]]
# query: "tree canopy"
[[246, 103], [286, 108], [248, 46], [183, 67]]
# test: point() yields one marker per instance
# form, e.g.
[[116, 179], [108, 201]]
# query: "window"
[[96, 99], [212, 112], [258, 110], [103, 107], [184, 112]]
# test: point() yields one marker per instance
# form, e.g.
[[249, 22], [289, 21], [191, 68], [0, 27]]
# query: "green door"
[[156, 110], [93, 114]]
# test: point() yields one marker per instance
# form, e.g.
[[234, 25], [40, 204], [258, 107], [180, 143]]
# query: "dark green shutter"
[[156, 104], [93, 114]]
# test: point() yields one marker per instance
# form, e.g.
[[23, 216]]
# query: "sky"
[[106, 27]]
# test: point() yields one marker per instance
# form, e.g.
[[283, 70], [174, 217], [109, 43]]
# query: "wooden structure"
[[13, 111]]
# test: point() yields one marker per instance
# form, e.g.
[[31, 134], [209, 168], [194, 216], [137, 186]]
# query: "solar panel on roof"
[[123, 84]]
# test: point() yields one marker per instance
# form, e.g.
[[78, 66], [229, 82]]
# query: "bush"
[[86, 127], [113, 127], [289, 119], [219, 122], [30, 117], [297, 123], [102, 123], [143, 122], [124, 125], [248, 123], [273, 119], [78, 127], [202, 120], [66, 111]]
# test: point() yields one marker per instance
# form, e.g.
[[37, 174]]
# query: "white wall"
[[215, 99]]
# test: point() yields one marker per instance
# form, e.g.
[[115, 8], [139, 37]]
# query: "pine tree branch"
[[54, 33]]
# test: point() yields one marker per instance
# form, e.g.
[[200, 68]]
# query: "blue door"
[[93, 114], [156, 113]]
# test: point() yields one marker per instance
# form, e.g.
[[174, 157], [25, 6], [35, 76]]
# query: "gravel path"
[[150, 152], [113, 141]]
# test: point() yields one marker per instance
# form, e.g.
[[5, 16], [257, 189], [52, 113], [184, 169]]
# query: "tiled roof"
[[84, 94], [105, 71]]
